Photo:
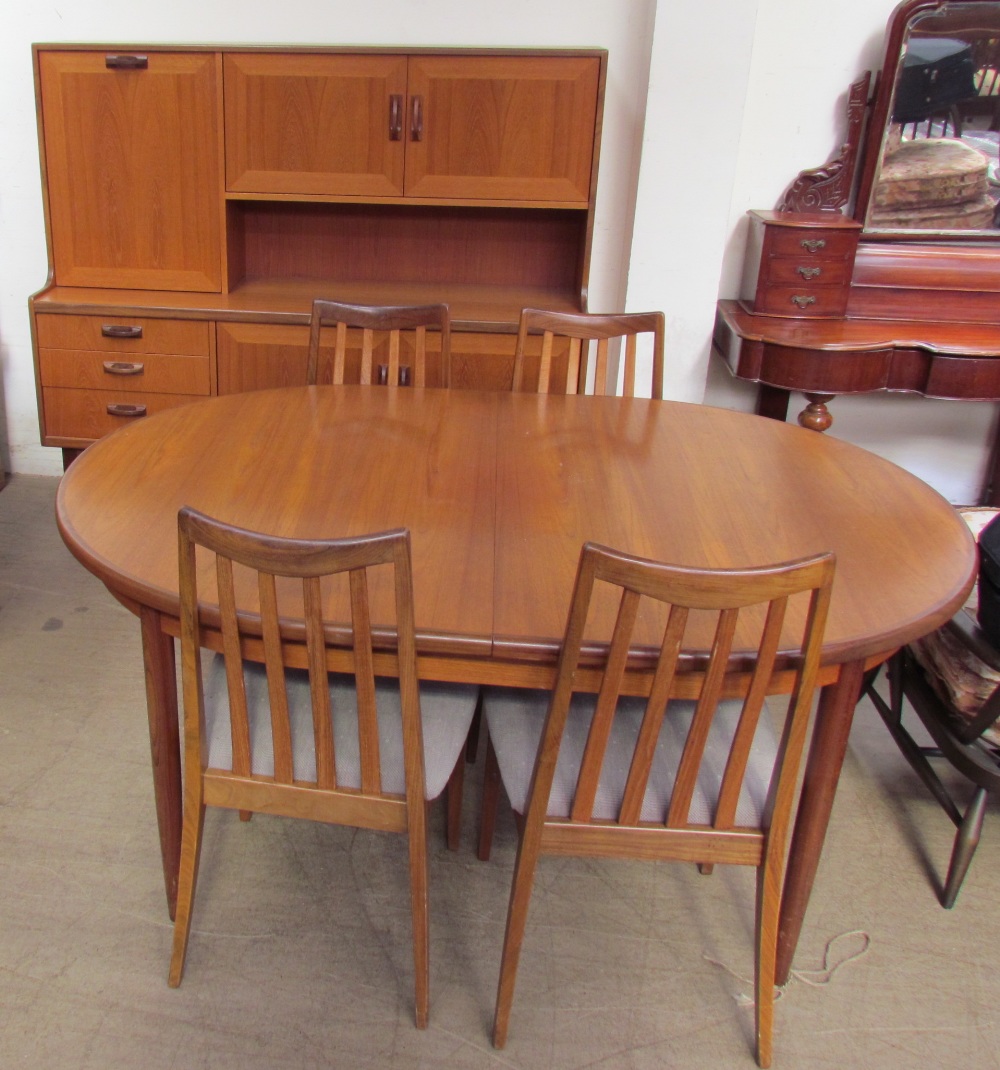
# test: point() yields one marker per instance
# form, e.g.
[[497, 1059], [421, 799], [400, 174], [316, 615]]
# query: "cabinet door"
[[258, 356], [132, 169], [314, 124], [502, 127]]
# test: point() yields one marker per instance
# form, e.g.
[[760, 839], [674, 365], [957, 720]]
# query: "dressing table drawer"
[[799, 264]]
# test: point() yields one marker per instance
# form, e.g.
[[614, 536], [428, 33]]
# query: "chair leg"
[[187, 879], [966, 843], [417, 829], [490, 800], [517, 916], [472, 740], [453, 801], [765, 960]]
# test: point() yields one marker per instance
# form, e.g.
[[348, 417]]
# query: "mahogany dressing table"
[[881, 270]]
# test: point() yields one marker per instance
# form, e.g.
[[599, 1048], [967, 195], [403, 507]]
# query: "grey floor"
[[300, 955]]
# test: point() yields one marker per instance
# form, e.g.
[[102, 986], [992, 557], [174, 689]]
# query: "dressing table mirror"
[[880, 270]]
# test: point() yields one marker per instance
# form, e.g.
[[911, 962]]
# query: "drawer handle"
[[126, 63], [396, 117], [809, 272], [417, 119], [813, 245], [122, 367], [803, 300], [120, 330], [120, 408]]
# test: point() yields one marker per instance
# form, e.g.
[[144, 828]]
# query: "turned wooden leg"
[[164, 743], [816, 416]]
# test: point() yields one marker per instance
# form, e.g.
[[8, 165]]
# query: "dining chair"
[[389, 335], [951, 680], [582, 330], [348, 746], [696, 772]]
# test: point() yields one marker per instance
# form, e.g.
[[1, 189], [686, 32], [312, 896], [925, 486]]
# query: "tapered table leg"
[[164, 742], [819, 785]]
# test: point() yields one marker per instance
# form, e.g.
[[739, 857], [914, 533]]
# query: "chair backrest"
[[747, 612], [585, 330], [385, 332], [287, 574]]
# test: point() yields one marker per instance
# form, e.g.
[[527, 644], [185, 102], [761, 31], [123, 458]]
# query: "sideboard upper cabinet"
[[234, 185], [132, 168], [454, 128]]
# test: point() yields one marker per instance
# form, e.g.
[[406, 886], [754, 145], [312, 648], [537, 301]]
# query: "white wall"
[[743, 94]]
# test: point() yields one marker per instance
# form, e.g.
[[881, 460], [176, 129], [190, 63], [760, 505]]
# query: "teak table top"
[[500, 491]]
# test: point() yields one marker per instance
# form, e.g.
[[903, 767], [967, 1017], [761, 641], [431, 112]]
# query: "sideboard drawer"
[[156, 373], [123, 334], [85, 415]]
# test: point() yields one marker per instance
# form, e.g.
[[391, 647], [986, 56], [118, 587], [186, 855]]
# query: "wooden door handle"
[[120, 408], [417, 119], [396, 117], [126, 63]]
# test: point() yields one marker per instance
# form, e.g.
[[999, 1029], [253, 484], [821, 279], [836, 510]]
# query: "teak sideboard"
[[197, 199]]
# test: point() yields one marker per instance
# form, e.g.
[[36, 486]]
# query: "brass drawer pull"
[[120, 330], [809, 272], [120, 408], [813, 245], [803, 300], [126, 63], [122, 367]]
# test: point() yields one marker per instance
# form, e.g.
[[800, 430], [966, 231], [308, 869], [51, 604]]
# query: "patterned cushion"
[[962, 680], [515, 719], [445, 713]]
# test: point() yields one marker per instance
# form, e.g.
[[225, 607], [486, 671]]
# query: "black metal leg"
[[966, 843]]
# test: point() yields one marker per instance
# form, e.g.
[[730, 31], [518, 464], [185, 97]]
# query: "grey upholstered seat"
[[446, 713], [515, 719]]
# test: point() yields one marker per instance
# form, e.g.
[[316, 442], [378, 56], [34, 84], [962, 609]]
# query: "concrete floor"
[[300, 955]]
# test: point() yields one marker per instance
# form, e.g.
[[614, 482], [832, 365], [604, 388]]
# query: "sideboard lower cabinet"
[[226, 188]]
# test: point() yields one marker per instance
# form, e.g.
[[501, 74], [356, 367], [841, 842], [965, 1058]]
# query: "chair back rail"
[[587, 336], [385, 326]]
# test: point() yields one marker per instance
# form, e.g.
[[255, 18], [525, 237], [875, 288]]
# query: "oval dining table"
[[499, 492]]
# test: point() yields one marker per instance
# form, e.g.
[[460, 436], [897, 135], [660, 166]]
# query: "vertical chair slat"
[[701, 722], [420, 358], [319, 684], [281, 735], [652, 721], [753, 704], [604, 712], [601, 368], [545, 363], [628, 385], [367, 341], [573, 367], [364, 677], [235, 682], [393, 370], [340, 353]]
